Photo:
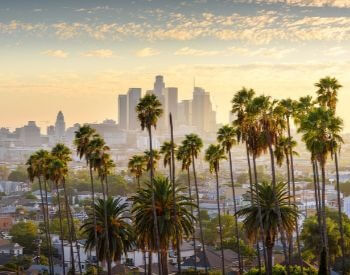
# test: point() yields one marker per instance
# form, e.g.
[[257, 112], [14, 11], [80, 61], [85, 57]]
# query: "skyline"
[[78, 56]]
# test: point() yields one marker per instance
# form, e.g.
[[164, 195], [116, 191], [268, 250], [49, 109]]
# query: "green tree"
[[168, 226], [18, 175], [269, 196], [25, 234]]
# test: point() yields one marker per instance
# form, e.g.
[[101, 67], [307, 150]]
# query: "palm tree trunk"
[[61, 227], [317, 199], [69, 225], [273, 172], [240, 264], [45, 223], [220, 225], [251, 201], [48, 226], [324, 227], [155, 219], [193, 237], [290, 241], [172, 165], [294, 200], [269, 248], [259, 211], [94, 217], [144, 262], [199, 214], [341, 228], [109, 260], [164, 258], [150, 260]]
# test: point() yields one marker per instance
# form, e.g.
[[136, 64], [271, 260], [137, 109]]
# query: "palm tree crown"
[[148, 111]]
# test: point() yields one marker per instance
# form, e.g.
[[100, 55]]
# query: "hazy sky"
[[78, 55]]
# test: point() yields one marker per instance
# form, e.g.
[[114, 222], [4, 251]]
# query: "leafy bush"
[[281, 270]]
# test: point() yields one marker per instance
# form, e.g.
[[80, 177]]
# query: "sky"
[[78, 55]]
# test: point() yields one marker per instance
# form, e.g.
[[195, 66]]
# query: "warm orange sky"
[[77, 56]]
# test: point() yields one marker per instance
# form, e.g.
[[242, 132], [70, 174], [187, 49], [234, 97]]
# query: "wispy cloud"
[[336, 51], [307, 3], [261, 52], [102, 53], [195, 52], [55, 53], [147, 52]]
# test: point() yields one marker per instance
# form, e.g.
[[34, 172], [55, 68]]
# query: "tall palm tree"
[[161, 191], [137, 166], [57, 170], [184, 155], [213, 155], [86, 148], [149, 110], [63, 153], [327, 92], [194, 144], [121, 235], [226, 136], [268, 196], [36, 169], [272, 124], [155, 158], [244, 126], [317, 128]]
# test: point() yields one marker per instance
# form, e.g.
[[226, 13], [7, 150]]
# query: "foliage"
[[21, 262], [18, 175], [25, 234], [55, 227], [281, 270]]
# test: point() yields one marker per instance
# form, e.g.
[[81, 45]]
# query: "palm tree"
[[121, 235], [162, 192], [184, 155], [317, 128], [165, 150], [327, 93], [268, 196], [36, 169], [272, 124], [327, 97], [63, 153], [85, 148], [213, 155], [226, 136], [57, 170], [137, 166], [244, 127], [194, 144], [149, 110], [155, 158]]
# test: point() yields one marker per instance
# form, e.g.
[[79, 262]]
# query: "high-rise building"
[[134, 95], [171, 97], [123, 112], [184, 114], [30, 134], [60, 127], [159, 91], [159, 86], [203, 116]]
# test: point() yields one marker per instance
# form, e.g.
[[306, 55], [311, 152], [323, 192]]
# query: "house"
[[6, 223], [8, 248]]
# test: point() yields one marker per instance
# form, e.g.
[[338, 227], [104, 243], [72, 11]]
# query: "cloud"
[[195, 52], [147, 52], [336, 51], [55, 53], [261, 52], [102, 53], [307, 3]]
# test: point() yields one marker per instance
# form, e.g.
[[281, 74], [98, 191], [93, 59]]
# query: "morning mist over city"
[[175, 137]]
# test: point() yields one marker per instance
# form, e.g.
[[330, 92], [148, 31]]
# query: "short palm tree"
[[213, 155], [268, 196], [226, 136], [121, 235], [327, 93], [142, 210], [165, 150], [155, 158], [149, 110], [137, 166], [194, 144]]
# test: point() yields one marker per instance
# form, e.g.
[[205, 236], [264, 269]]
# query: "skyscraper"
[[122, 112], [159, 85], [30, 134], [171, 97], [60, 127], [159, 91], [133, 98], [184, 114], [203, 116]]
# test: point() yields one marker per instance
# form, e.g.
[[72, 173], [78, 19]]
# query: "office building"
[[184, 115], [203, 116], [133, 98], [60, 127], [122, 111], [30, 134], [171, 98]]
